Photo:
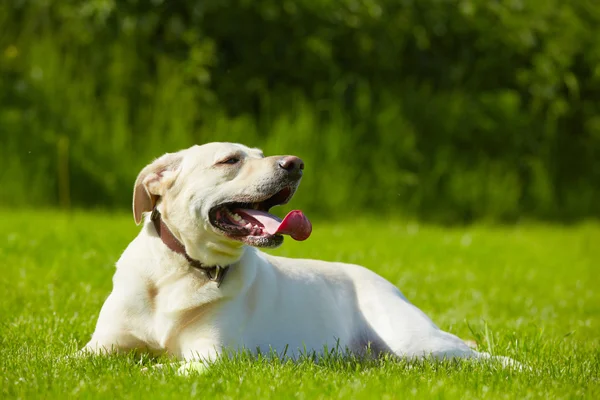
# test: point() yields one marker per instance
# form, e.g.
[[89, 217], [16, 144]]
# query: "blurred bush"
[[452, 110]]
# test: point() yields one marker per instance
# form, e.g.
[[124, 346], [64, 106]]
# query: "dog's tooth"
[[236, 217]]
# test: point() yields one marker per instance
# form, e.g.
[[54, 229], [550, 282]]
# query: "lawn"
[[527, 291]]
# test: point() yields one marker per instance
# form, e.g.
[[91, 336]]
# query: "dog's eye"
[[230, 160]]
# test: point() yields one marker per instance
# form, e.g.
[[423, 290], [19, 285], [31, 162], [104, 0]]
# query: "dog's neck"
[[214, 273]]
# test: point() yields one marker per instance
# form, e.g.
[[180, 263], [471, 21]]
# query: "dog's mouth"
[[251, 222]]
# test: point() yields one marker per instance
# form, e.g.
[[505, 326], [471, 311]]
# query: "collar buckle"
[[216, 274]]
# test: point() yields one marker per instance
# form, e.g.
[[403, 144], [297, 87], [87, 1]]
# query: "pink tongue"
[[294, 224]]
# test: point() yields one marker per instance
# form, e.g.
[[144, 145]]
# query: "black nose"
[[292, 164]]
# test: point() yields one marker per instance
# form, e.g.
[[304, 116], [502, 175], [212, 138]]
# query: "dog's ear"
[[152, 182]]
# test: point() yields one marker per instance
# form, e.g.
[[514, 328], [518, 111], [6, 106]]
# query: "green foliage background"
[[450, 110]]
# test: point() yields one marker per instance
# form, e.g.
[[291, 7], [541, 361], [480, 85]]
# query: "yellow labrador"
[[193, 284]]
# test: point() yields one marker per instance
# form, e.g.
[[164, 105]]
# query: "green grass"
[[529, 292]]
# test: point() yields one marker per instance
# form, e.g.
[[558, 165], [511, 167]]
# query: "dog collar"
[[215, 273]]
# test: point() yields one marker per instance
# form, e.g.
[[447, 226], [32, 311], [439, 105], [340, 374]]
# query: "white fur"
[[162, 304]]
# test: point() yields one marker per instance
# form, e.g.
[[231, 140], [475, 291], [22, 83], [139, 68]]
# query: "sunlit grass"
[[529, 292]]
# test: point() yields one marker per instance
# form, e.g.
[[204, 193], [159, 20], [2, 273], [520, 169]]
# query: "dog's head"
[[215, 198]]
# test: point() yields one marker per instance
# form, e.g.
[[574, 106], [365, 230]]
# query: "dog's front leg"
[[114, 331], [116, 343]]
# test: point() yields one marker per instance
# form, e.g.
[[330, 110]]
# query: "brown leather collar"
[[215, 273]]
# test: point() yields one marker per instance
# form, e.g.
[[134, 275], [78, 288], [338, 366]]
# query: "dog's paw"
[[192, 367]]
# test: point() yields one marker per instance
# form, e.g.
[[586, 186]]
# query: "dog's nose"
[[292, 164]]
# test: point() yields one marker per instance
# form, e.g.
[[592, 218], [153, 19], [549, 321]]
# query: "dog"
[[193, 284]]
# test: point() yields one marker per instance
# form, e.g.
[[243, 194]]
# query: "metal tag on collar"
[[218, 276]]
